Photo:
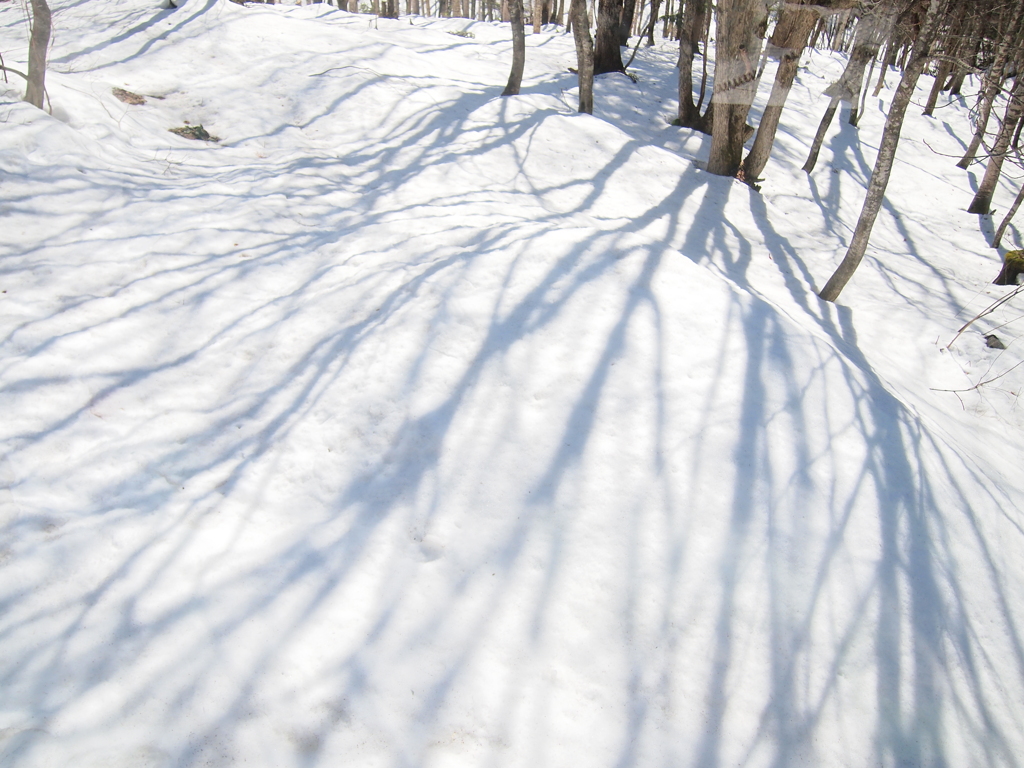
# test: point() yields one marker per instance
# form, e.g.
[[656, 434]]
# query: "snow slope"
[[409, 425]]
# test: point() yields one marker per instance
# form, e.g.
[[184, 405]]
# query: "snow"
[[410, 425]]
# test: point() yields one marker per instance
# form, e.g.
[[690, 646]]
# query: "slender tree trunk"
[[704, 13], [819, 137], [515, 77], [741, 26], [983, 198], [584, 53], [607, 51], [856, 110], [988, 95], [847, 88], [886, 153], [790, 36], [887, 61], [993, 80], [956, 82], [1006, 219], [940, 79], [39, 41], [688, 115], [654, 21], [817, 33]]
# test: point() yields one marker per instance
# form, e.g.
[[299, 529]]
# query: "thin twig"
[[9, 69], [980, 383], [987, 311]]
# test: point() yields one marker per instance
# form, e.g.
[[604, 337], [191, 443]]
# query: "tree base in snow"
[[1013, 268]]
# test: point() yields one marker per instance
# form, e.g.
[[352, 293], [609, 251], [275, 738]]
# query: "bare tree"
[[872, 28], [998, 237], [584, 54], [886, 151], [695, 14], [653, 22], [39, 41], [740, 29], [608, 50], [1014, 109], [796, 22], [515, 77], [1007, 46]]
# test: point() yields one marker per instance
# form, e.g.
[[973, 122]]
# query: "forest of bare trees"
[[950, 39]]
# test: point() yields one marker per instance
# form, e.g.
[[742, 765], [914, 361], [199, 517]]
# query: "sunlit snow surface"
[[413, 426]]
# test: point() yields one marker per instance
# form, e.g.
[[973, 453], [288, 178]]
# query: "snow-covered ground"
[[408, 425]]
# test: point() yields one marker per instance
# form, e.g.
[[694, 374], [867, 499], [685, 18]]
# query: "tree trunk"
[[886, 153], [1013, 267], [626, 21], [819, 137], [654, 21], [983, 199], [993, 80], [741, 25], [956, 82], [889, 60], [794, 27], [39, 41], [933, 95], [817, 33], [688, 114], [1006, 219], [847, 88], [704, 14], [515, 77], [584, 53], [856, 110], [608, 53]]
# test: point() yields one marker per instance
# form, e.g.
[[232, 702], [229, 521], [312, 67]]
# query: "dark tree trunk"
[[983, 198], [794, 27], [607, 51], [688, 114], [655, 4], [886, 153], [39, 41], [741, 26], [626, 22], [817, 33], [1013, 267], [956, 82], [704, 16], [584, 53], [515, 77]]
